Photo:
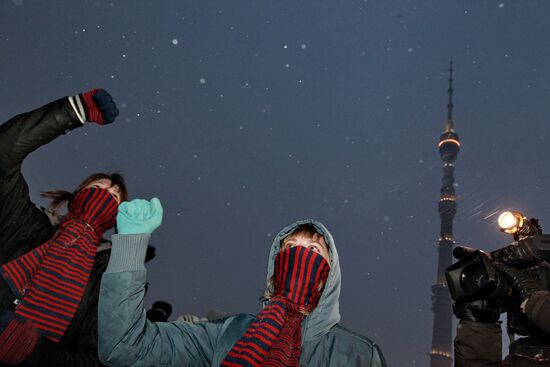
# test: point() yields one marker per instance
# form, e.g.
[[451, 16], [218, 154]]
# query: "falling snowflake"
[[202, 80], [175, 41]]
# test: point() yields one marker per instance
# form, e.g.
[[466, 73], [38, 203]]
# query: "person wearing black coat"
[[23, 226], [478, 341]]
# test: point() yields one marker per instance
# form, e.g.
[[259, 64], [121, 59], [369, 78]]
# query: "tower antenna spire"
[[449, 124]]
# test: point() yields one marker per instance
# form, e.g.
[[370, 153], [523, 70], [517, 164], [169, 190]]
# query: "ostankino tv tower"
[[449, 145]]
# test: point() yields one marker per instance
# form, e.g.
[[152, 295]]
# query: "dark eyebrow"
[[286, 239], [321, 245], [316, 244]]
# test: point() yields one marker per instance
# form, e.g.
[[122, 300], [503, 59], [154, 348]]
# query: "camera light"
[[510, 222]]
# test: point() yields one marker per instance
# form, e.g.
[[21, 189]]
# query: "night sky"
[[244, 116]]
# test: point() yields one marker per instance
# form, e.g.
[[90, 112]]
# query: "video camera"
[[475, 278]]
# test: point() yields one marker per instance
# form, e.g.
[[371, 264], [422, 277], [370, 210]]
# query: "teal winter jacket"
[[127, 338]]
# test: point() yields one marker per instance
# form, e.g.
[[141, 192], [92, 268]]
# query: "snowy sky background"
[[244, 116]]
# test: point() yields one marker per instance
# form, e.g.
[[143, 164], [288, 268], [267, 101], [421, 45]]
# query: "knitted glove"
[[18, 338], [96, 106], [139, 216], [522, 284]]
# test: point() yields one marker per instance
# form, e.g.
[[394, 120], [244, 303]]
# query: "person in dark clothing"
[[35, 251], [478, 340], [160, 311]]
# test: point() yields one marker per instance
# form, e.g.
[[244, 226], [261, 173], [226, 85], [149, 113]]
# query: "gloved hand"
[[460, 252], [522, 254], [522, 284], [139, 216], [485, 311], [160, 311], [18, 338], [99, 106]]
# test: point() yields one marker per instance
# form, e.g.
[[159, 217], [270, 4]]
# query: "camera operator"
[[478, 339]]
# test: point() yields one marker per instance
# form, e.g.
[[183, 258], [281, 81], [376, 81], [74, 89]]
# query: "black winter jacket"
[[479, 344], [23, 227]]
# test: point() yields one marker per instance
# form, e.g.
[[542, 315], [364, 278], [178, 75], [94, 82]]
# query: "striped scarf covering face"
[[275, 337], [50, 280]]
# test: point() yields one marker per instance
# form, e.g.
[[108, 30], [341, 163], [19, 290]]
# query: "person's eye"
[[314, 248]]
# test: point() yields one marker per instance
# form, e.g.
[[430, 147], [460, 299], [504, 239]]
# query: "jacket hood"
[[327, 312]]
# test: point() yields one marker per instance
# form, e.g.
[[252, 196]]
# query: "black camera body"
[[474, 277]]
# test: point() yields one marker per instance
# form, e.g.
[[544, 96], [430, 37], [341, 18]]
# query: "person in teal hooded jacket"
[[298, 325]]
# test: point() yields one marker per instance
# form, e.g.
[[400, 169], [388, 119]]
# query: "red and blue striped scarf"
[[50, 280], [275, 337]]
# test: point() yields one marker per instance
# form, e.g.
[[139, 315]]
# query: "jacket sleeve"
[[537, 310], [377, 357], [478, 344], [126, 337], [20, 136]]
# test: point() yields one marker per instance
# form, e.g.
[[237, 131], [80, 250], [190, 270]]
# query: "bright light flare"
[[507, 220], [510, 222]]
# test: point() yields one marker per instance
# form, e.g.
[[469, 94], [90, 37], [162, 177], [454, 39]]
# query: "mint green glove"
[[139, 216]]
